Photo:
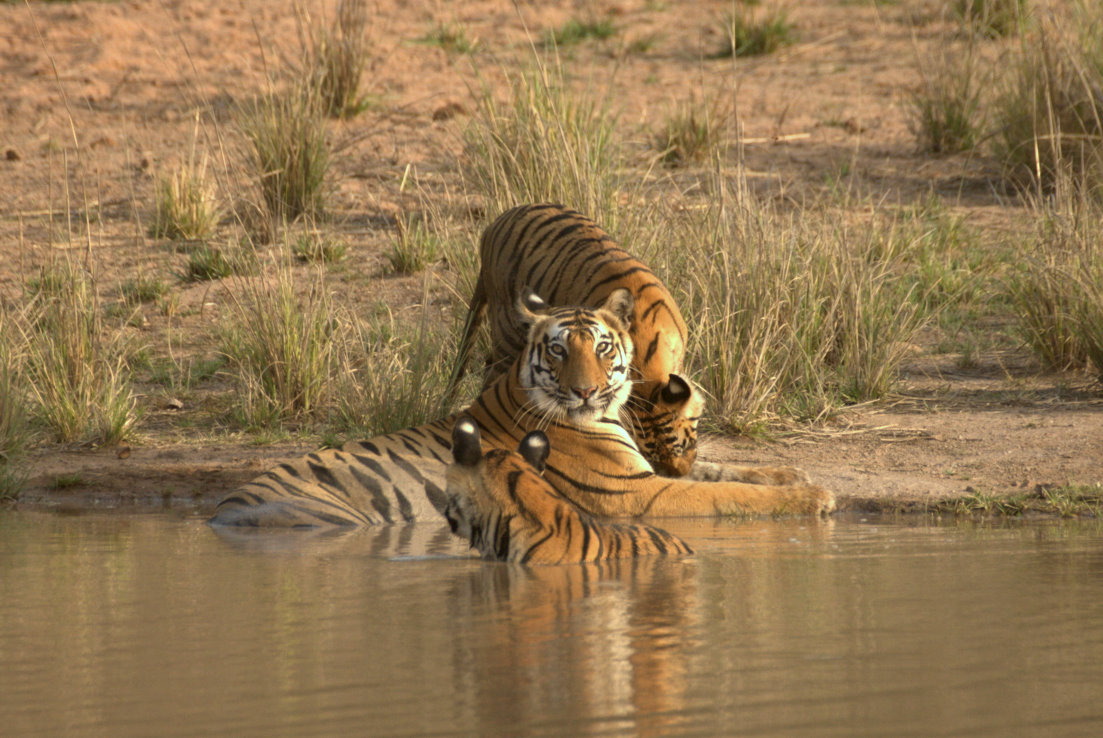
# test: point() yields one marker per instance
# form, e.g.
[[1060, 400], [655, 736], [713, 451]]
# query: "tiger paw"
[[807, 499], [823, 501]]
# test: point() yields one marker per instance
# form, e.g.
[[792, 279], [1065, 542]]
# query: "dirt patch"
[[100, 97]]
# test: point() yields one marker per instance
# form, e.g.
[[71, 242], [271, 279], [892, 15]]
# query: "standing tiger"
[[508, 512], [568, 259], [571, 381]]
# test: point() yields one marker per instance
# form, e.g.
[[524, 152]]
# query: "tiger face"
[[576, 365]]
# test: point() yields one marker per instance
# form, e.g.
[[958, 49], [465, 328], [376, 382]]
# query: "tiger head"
[[486, 496], [664, 421], [576, 365]]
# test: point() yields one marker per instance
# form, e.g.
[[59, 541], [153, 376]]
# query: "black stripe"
[[378, 499], [404, 507], [376, 468], [405, 466], [326, 477], [656, 539], [619, 276]]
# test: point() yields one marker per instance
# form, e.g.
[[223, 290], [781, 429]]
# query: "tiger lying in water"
[[508, 512], [571, 381], [568, 259]]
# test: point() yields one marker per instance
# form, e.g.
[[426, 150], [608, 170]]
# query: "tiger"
[[568, 259], [570, 381], [500, 504]]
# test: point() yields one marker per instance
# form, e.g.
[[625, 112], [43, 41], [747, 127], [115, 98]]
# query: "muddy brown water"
[[116, 625]]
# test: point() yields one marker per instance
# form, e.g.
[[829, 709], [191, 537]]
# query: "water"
[[146, 625]]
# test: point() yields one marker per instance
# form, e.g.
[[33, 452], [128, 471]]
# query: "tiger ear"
[[534, 449], [620, 303], [529, 305], [466, 449], [676, 391]]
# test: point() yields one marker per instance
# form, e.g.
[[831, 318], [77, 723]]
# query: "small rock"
[[12, 155], [448, 111], [123, 452], [174, 404]]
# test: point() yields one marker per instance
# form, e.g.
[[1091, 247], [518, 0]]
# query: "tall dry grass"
[[15, 430], [992, 18], [334, 59], [694, 131], [1048, 114], [1057, 288], [794, 316], [753, 31], [283, 346], [547, 143], [185, 202], [947, 110], [397, 375], [288, 154], [299, 355], [76, 368]]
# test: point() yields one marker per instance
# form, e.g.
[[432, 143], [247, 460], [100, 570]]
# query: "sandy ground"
[[97, 98]]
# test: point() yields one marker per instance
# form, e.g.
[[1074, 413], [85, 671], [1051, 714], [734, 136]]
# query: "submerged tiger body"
[[501, 505], [571, 382], [567, 259]]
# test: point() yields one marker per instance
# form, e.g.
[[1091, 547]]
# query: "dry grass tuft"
[[335, 60], [185, 202], [1049, 115], [947, 112], [992, 18], [288, 154], [1057, 289], [283, 349], [15, 432], [76, 367], [547, 144], [694, 132], [793, 318], [752, 32]]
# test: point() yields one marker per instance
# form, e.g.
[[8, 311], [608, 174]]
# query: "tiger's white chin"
[[579, 413], [584, 414]]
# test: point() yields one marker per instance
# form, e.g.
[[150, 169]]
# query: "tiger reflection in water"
[[598, 643]]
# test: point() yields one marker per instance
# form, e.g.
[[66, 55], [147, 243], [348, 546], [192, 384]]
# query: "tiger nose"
[[584, 392]]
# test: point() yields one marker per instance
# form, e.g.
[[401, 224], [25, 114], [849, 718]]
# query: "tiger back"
[[567, 259], [500, 504], [570, 381]]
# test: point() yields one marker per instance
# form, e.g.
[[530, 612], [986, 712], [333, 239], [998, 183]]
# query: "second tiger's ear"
[[534, 449], [620, 303], [466, 449]]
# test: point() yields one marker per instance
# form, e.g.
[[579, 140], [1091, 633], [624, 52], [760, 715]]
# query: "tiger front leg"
[[707, 471], [795, 499], [680, 498]]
